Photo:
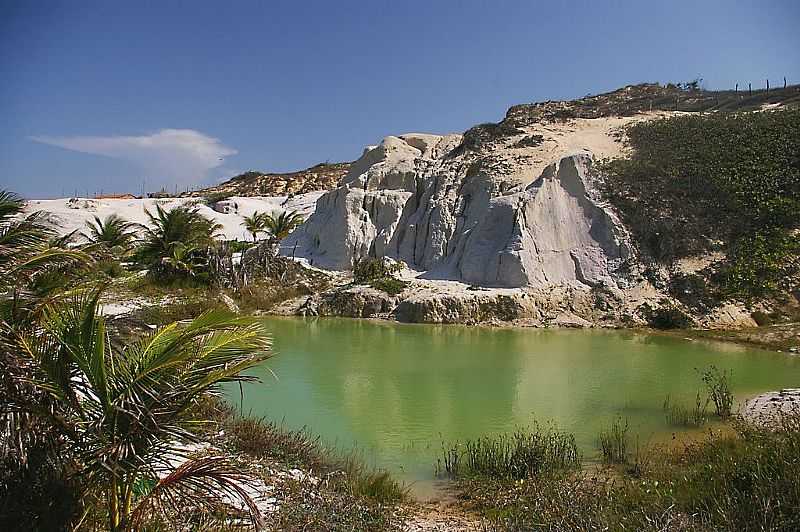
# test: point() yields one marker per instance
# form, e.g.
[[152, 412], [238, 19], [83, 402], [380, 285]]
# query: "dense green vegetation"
[[727, 182]]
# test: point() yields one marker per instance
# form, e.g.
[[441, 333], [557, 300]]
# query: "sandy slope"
[[595, 136], [70, 214]]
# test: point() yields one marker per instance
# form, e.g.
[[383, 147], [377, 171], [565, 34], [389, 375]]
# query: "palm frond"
[[211, 485]]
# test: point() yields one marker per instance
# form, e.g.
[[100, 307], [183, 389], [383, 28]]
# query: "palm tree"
[[28, 250], [282, 224], [113, 232], [255, 223], [185, 260], [184, 225], [125, 412]]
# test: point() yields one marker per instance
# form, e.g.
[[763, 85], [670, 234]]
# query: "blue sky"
[[106, 95]]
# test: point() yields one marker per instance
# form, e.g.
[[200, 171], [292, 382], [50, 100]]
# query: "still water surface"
[[396, 391]]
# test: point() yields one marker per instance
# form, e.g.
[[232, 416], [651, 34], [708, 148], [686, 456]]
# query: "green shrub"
[[390, 285], [110, 267], [666, 316], [694, 291], [216, 197], [184, 309], [719, 391], [372, 269], [613, 442], [379, 274], [376, 485], [238, 246]]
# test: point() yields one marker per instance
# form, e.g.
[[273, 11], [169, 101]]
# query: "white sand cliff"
[[512, 213]]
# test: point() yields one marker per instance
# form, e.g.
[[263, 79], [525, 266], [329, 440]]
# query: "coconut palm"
[[113, 232], [28, 251], [185, 260], [280, 225], [255, 223], [184, 225], [29, 254], [125, 412]]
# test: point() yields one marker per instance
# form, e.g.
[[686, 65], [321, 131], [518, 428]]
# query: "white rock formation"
[[484, 217]]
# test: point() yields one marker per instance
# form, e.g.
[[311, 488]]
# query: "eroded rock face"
[[489, 217]]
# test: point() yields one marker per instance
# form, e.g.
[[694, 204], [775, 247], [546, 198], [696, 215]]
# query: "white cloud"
[[169, 156]]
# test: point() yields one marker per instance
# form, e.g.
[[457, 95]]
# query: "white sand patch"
[[68, 215], [595, 136]]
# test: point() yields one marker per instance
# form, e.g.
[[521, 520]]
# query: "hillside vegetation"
[[716, 182]]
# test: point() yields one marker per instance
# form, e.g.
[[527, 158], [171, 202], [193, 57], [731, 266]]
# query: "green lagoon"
[[396, 392]]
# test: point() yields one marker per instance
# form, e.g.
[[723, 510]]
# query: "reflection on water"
[[398, 391]]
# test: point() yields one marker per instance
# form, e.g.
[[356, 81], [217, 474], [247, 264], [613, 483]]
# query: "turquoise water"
[[396, 391]]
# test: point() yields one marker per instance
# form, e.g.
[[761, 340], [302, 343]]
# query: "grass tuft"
[[613, 442], [680, 415], [521, 455]]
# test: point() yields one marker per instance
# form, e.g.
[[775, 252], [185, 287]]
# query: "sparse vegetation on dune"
[[349, 496]]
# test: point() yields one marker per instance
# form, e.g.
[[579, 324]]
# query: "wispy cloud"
[[168, 156]]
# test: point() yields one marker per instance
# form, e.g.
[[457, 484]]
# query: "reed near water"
[[520, 455]]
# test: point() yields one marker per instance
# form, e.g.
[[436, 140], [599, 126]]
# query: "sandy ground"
[[68, 214], [596, 136]]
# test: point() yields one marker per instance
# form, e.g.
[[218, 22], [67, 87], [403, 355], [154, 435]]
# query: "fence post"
[[767, 85], [749, 89], [784, 82]]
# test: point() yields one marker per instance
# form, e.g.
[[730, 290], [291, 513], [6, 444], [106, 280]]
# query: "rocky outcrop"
[[324, 176], [563, 305], [773, 409], [479, 212], [358, 302], [468, 310]]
